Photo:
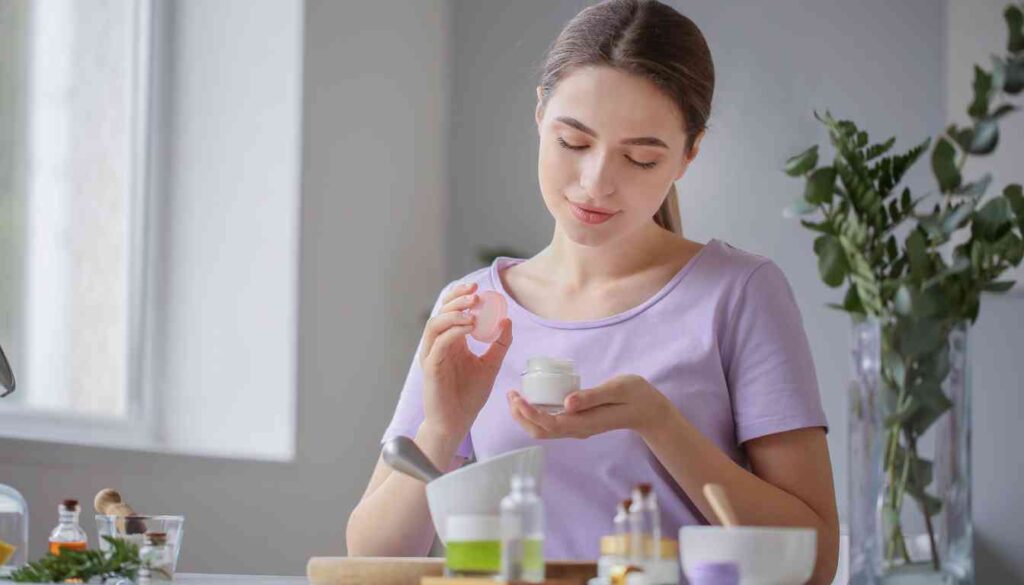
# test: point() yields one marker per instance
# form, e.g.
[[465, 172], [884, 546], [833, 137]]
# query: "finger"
[[451, 337], [459, 303], [496, 352], [592, 421], [611, 392], [440, 323], [463, 288], [531, 429], [536, 416]]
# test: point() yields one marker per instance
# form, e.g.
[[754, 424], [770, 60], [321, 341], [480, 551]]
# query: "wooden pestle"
[[109, 502]]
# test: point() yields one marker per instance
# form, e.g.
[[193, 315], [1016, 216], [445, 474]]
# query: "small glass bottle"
[[68, 535], [639, 527], [621, 519], [654, 523], [13, 530], [155, 557], [522, 523]]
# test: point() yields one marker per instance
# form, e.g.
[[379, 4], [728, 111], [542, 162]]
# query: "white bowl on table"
[[478, 488], [765, 555]]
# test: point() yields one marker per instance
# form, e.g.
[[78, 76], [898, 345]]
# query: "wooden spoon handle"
[[715, 495]]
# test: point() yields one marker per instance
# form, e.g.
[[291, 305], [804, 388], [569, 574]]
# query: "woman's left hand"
[[624, 402]]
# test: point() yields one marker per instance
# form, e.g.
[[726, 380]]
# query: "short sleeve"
[[408, 414], [767, 359]]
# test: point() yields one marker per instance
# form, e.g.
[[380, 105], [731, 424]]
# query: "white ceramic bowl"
[[766, 556], [479, 487]]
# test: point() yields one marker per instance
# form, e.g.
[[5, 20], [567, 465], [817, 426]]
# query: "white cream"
[[547, 381]]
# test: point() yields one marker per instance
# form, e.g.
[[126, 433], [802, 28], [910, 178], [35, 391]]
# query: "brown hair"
[[648, 39]]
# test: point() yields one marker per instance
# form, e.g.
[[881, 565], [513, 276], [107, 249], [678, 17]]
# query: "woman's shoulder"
[[481, 277], [733, 263]]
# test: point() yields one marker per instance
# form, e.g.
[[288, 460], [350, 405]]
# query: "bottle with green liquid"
[[522, 532]]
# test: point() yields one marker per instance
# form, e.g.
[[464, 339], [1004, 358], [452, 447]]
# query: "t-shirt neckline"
[[502, 262]]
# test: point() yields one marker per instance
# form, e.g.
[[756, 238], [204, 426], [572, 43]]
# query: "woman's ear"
[[694, 151]]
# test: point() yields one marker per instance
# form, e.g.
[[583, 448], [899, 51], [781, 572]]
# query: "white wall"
[[882, 64], [373, 214]]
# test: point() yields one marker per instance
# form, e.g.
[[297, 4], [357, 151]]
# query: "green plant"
[[917, 264], [121, 560]]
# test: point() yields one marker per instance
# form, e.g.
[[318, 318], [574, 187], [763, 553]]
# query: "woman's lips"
[[590, 216]]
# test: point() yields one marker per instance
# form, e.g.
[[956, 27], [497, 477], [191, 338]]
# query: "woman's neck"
[[580, 266]]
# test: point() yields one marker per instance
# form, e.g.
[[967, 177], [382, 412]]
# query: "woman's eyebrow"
[[641, 141]]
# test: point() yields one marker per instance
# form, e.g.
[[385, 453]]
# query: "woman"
[[698, 367]]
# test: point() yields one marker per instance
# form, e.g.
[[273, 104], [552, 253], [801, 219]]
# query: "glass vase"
[[910, 447]]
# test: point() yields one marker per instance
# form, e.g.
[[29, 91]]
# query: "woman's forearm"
[[693, 461], [394, 519]]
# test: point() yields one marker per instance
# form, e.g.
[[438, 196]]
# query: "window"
[[72, 188], [149, 216]]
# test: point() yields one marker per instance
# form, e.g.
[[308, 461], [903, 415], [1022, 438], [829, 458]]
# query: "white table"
[[206, 579]]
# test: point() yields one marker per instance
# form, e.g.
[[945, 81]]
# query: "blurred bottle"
[[68, 535]]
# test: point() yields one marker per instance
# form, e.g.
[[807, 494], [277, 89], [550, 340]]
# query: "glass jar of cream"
[[547, 381]]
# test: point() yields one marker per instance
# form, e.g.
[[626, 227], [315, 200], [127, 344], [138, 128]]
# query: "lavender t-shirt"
[[724, 340]]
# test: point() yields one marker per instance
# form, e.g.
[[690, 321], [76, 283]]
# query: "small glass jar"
[[68, 534], [473, 546], [547, 381], [13, 530], [156, 562]]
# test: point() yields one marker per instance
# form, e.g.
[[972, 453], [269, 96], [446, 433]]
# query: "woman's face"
[[611, 144]]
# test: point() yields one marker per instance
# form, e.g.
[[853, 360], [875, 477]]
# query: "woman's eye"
[[570, 146], [642, 165]]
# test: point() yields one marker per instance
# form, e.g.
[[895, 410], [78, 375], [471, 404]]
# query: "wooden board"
[[488, 581], [411, 571]]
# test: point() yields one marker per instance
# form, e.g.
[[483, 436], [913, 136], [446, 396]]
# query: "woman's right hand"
[[457, 382]]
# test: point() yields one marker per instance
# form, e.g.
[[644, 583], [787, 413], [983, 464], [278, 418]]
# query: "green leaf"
[[982, 93], [831, 261], [957, 217], [917, 337], [878, 150], [1015, 24], [1015, 196], [976, 189], [992, 220], [944, 166], [824, 227], [920, 265], [799, 207], [998, 286], [821, 186], [803, 162], [903, 302], [851, 303], [986, 137], [1014, 72], [1002, 111], [962, 136]]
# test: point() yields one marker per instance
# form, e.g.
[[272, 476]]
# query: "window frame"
[[139, 426]]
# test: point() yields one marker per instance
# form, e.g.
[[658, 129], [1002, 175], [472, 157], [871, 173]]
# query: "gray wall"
[[976, 30], [373, 211], [882, 64]]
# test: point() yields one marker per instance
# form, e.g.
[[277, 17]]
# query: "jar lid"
[[470, 527], [552, 365]]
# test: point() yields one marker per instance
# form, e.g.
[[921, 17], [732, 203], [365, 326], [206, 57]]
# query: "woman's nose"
[[597, 176]]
